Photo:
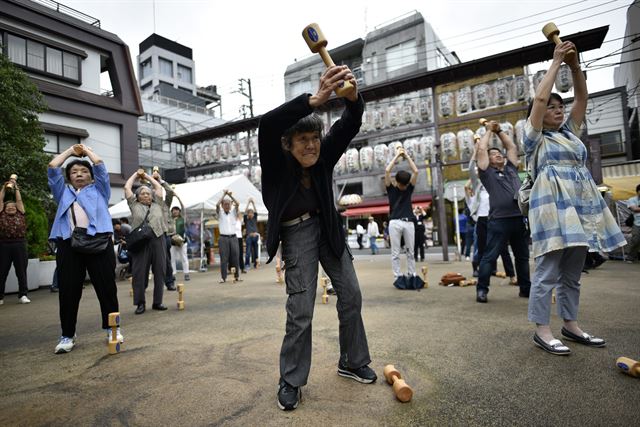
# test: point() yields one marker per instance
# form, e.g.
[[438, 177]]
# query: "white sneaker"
[[65, 345], [24, 300], [467, 259], [119, 336]]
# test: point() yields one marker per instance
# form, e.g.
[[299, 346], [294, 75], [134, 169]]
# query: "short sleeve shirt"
[[636, 216], [400, 202], [502, 187], [12, 227]]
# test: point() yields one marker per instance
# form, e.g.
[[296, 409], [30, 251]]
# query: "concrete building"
[[173, 104], [67, 55]]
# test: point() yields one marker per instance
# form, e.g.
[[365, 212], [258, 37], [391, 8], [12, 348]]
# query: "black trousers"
[[169, 279], [481, 244], [14, 253], [72, 269], [228, 247], [240, 257]]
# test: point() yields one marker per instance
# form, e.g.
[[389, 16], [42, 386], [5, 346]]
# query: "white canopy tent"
[[201, 196], [204, 195]]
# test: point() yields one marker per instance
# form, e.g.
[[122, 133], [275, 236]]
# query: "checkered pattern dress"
[[566, 208]]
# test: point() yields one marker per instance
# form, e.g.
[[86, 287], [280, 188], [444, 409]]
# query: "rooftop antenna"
[[154, 15]]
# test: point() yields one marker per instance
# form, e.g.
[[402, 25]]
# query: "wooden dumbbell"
[[131, 288], [180, 289], [425, 272], [403, 392], [470, 282], [553, 296], [115, 346], [501, 274], [279, 278], [551, 32], [629, 366], [325, 295], [317, 42], [233, 274]]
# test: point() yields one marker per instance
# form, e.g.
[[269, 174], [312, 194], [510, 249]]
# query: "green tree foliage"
[[37, 227], [21, 136], [21, 150]]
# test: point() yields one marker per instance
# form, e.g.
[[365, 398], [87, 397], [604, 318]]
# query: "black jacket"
[[281, 172]]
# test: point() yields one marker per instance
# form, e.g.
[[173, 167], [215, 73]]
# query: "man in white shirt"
[[228, 216], [360, 233], [372, 232], [634, 244]]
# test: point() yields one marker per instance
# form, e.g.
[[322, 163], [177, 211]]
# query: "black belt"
[[227, 235], [299, 219], [402, 219]]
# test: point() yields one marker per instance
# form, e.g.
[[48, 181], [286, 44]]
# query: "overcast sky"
[[257, 39]]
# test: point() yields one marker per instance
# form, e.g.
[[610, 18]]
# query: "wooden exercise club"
[[180, 289], [551, 32], [115, 346], [629, 366], [316, 41], [401, 389]]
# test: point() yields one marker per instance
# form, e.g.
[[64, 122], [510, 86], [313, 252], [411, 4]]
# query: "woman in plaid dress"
[[568, 217]]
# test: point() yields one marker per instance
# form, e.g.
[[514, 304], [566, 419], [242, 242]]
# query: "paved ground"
[[216, 363]]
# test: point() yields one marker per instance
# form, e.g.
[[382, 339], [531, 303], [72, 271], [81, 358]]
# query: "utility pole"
[[241, 91]]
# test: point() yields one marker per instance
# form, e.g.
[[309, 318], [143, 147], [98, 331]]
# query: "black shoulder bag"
[[85, 243], [139, 236]]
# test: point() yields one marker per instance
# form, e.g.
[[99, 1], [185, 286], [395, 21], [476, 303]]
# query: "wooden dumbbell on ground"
[[131, 288], [325, 295], [180, 289], [279, 278], [401, 389], [501, 274], [115, 346], [233, 274], [471, 282], [553, 296], [551, 32], [629, 366], [425, 271]]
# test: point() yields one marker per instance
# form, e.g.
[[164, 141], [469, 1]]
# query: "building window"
[[145, 68], [611, 143], [144, 142], [301, 86], [17, 49], [184, 74], [179, 151], [57, 143], [401, 55], [38, 57], [166, 67], [35, 55], [441, 60]]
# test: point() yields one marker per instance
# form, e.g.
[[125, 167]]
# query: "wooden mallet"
[[180, 288], [403, 392], [233, 273], [316, 41], [551, 32], [115, 346], [325, 295], [425, 272], [629, 366]]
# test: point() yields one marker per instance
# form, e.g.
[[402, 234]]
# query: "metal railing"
[[59, 7]]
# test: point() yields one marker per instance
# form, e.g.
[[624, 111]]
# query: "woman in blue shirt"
[[82, 202]]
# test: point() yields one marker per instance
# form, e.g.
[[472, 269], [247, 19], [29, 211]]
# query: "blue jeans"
[[468, 240], [251, 251], [303, 246], [500, 232], [372, 245]]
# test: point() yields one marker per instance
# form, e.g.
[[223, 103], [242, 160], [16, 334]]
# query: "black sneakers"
[[364, 374], [288, 396]]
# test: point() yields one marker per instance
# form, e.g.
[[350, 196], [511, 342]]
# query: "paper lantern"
[[448, 145], [465, 143], [522, 88], [341, 167], [463, 99], [243, 146], [502, 92], [366, 158], [215, 151], [537, 78], [425, 109], [446, 104], [197, 156], [224, 149], [380, 154], [188, 157], [353, 160], [393, 114], [564, 80], [481, 96]]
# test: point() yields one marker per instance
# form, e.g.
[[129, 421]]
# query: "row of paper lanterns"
[[223, 149], [452, 146]]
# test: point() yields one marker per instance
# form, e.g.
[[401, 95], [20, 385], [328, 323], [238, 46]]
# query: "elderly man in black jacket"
[[297, 164]]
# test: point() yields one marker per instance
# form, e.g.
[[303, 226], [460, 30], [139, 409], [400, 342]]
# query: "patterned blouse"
[[565, 207], [12, 227]]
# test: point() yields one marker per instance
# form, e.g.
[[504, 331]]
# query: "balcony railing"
[[59, 7]]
